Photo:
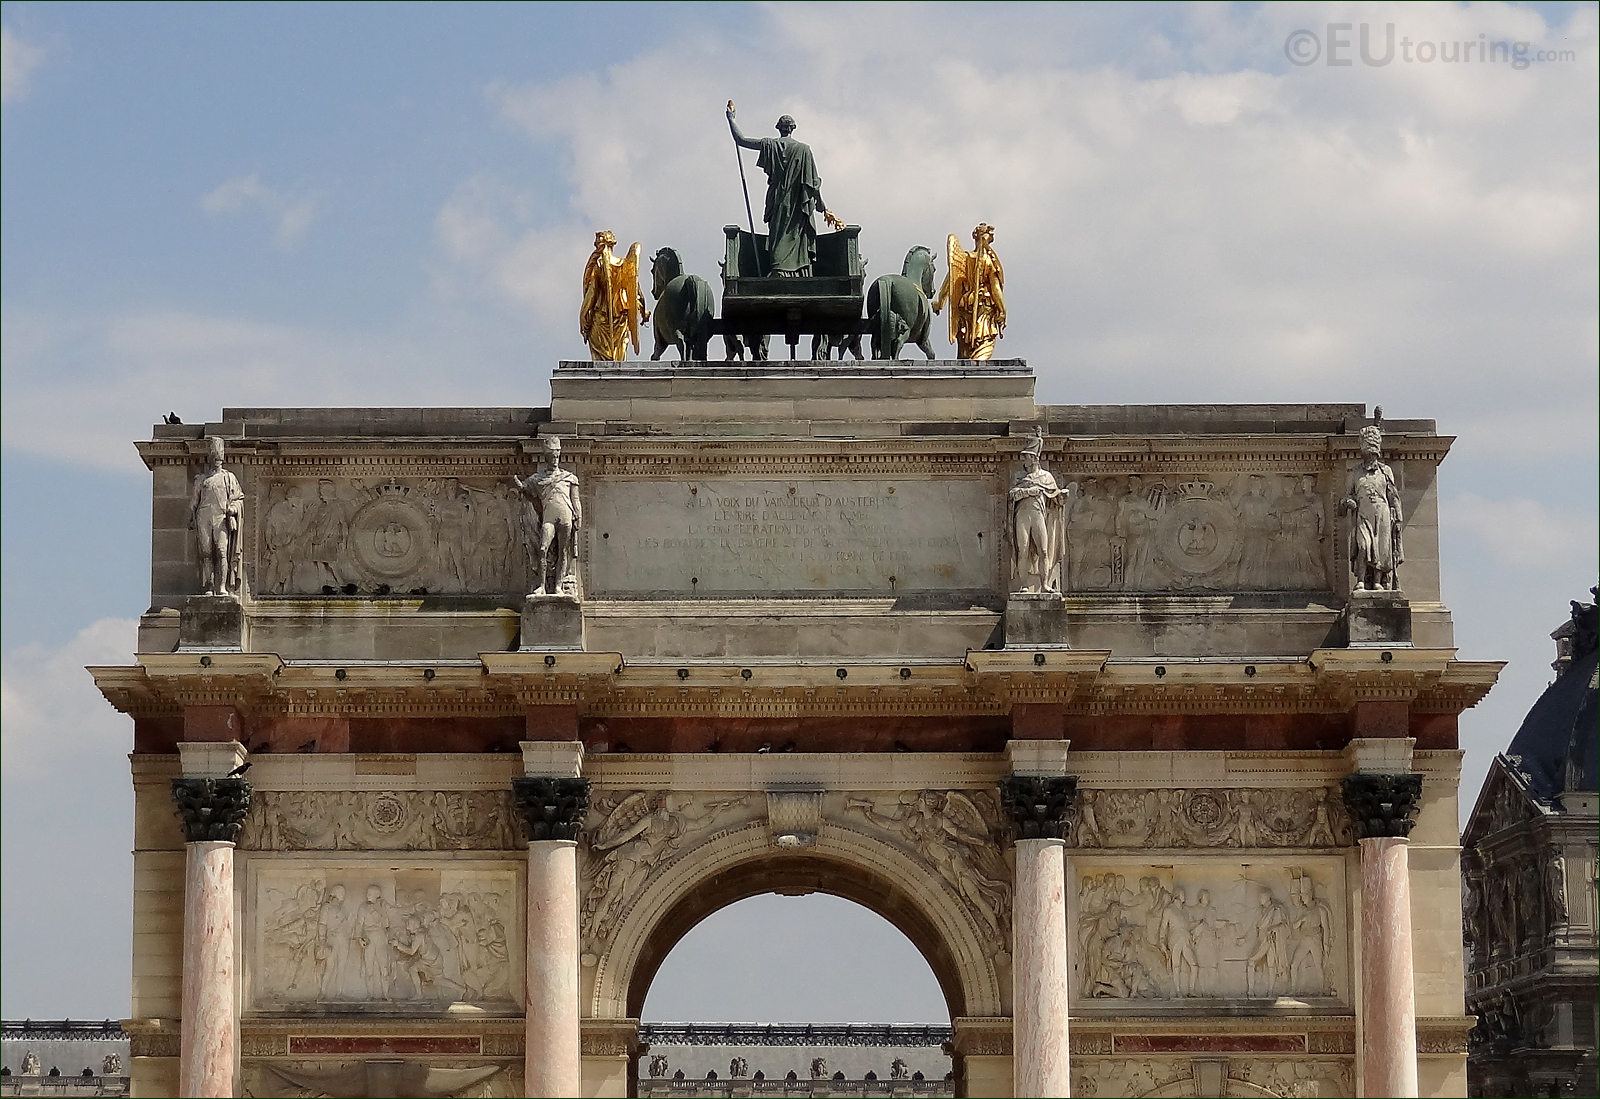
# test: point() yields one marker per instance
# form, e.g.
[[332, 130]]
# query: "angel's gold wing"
[[958, 274], [627, 291]]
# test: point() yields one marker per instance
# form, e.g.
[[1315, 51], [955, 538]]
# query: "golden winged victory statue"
[[613, 308], [974, 288]]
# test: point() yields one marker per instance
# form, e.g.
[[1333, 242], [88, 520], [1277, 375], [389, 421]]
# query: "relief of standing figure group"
[[1173, 938], [323, 945]]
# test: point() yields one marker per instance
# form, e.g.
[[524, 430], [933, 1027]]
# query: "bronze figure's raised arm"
[[794, 195]]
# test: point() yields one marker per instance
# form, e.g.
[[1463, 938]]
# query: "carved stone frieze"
[[374, 938], [550, 807], [629, 837], [1142, 932], [420, 535], [380, 820], [958, 835], [211, 809], [1201, 817], [1245, 531], [1038, 806], [1382, 805]]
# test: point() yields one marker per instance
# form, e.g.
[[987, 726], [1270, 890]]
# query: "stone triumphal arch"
[[464, 732]]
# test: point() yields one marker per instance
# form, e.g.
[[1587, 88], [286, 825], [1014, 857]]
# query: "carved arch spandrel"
[[742, 862]]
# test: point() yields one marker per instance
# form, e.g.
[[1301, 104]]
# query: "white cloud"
[[52, 718], [293, 216], [1524, 533], [120, 373], [18, 60], [1419, 235]]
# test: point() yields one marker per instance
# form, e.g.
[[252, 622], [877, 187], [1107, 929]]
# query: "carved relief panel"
[[1229, 817], [380, 820], [366, 936], [1245, 531], [411, 535], [1262, 931]]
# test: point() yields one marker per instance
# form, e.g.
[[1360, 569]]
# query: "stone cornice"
[[514, 445], [987, 682]]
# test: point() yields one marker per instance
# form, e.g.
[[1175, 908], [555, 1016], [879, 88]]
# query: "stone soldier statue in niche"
[[557, 517], [1375, 549], [215, 513], [1038, 524], [794, 195]]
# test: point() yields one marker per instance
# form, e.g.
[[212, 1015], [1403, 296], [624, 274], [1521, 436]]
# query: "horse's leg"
[[924, 327]]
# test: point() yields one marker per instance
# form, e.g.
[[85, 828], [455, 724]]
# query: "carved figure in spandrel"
[[974, 289], [612, 307]]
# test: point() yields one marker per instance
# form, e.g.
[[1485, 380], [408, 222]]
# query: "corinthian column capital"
[[211, 809], [1040, 806], [550, 807], [1382, 805]]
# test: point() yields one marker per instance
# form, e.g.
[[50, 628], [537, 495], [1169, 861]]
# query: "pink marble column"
[[210, 811], [1038, 806], [551, 808], [208, 1048], [1039, 981], [1388, 1001], [553, 1062], [1383, 808]]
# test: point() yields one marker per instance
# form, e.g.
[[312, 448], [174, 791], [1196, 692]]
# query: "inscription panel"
[[838, 535]]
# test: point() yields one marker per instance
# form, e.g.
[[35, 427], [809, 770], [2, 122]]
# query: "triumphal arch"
[[1085, 700], [1139, 721]]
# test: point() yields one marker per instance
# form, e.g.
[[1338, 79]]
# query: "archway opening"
[[796, 969], [777, 959]]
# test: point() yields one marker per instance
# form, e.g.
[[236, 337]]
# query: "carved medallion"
[[1197, 534], [390, 536], [386, 813]]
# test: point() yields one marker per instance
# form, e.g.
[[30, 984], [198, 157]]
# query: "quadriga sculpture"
[[899, 309], [684, 307]]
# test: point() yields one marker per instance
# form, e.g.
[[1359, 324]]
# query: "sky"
[[224, 205]]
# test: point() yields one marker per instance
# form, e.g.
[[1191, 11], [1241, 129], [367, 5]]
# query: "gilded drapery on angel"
[[613, 308], [974, 288]]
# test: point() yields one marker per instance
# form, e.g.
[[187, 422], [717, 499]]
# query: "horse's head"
[[665, 266], [919, 268]]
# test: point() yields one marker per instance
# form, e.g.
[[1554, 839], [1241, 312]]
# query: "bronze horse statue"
[[684, 308], [898, 307]]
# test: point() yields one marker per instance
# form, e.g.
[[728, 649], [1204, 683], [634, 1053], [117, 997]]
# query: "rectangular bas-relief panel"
[[1269, 934], [368, 936], [732, 536]]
